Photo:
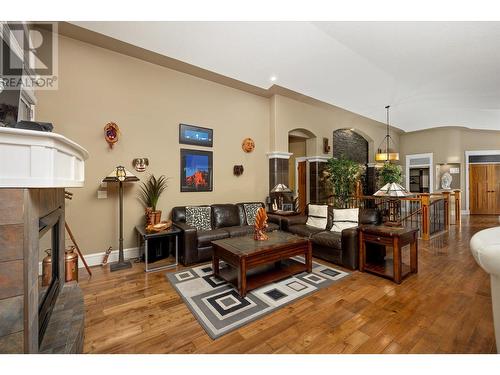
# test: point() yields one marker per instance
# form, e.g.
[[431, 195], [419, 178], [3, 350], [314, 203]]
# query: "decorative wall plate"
[[248, 145], [111, 133], [140, 164]]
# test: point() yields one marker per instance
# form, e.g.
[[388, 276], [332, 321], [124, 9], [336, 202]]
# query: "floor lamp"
[[120, 175]]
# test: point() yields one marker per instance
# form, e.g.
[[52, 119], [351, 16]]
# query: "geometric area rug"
[[219, 308]]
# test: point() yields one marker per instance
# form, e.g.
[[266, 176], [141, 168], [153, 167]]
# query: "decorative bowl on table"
[[160, 227]]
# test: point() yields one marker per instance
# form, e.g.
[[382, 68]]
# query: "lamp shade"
[[392, 189], [280, 188], [382, 156], [120, 174]]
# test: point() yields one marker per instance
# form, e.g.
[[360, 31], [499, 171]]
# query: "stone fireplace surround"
[[32, 187], [20, 211]]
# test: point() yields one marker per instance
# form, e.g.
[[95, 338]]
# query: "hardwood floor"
[[445, 308]]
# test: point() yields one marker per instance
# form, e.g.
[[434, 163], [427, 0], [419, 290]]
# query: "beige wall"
[[448, 145], [290, 114], [148, 102]]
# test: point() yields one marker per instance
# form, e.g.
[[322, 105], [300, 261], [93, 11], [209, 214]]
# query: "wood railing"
[[430, 213]]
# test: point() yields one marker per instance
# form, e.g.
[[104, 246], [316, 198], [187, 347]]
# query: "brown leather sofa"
[[340, 248], [228, 220]]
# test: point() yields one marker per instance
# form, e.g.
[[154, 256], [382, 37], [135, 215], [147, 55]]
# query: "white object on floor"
[[35, 159], [485, 247]]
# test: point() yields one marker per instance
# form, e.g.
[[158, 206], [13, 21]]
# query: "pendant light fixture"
[[389, 154]]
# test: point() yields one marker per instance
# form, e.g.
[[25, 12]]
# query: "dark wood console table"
[[394, 268]]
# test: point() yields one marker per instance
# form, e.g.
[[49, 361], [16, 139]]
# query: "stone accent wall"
[[351, 145]]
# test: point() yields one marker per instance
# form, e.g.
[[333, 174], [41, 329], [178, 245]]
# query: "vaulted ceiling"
[[431, 73]]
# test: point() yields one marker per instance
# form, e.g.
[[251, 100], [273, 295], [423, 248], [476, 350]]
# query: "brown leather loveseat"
[[341, 248]]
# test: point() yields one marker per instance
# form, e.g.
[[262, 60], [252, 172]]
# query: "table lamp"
[[393, 191], [120, 175], [279, 190]]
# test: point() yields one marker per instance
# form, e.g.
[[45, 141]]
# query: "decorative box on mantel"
[[37, 315]]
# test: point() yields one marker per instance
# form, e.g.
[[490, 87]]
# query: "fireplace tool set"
[[71, 259]]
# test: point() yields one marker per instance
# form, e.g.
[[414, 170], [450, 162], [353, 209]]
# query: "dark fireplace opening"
[[49, 279]]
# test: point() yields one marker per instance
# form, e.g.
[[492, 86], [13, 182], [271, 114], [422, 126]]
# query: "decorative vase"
[[147, 215], [155, 217], [260, 225]]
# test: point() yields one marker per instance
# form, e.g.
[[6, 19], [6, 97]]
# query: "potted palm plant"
[[149, 195]]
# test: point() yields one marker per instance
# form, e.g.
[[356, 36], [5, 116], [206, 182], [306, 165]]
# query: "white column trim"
[[279, 155], [321, 159]]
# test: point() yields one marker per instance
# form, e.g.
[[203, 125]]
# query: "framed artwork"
[[195, 135], [196, 170]]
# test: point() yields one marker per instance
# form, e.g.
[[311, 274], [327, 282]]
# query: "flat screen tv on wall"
[[195, 135]]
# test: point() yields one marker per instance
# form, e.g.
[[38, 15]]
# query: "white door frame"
[[474, 153], [429, 155]]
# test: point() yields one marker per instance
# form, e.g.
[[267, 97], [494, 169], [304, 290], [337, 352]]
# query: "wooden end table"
[[396, 237], [244, 254]]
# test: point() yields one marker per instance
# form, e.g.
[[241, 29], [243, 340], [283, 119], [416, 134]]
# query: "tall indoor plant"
[[390, 173], [342, 175], [149, 195]]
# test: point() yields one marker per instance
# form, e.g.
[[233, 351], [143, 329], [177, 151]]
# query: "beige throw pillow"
[[344, 219], [317, 216]]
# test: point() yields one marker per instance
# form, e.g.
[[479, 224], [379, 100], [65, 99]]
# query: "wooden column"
[[458, 207], [446, 196], [426, 215]]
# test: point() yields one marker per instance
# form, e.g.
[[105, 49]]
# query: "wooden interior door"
[[494, 188], [484, 189], [302, 187]]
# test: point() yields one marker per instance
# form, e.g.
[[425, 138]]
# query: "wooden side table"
[[393, 269], [276, 216]]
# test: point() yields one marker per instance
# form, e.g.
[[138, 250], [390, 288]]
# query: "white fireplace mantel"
[[34, 159]]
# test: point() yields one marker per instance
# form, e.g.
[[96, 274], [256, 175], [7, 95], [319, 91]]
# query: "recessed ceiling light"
[[273, 78]]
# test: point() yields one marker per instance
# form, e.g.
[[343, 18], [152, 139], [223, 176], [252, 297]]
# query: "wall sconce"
[[326, 146]]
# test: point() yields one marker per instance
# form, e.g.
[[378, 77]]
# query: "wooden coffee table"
[[257, 263]]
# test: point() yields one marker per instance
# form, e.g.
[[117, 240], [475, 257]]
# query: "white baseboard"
[[465, 212], [95, 259]]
